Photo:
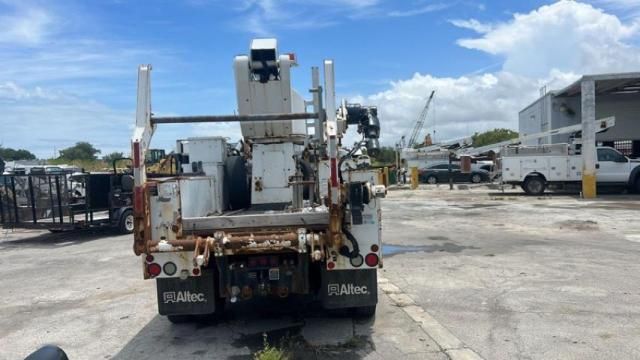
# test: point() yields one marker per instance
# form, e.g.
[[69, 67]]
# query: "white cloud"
[[420, 10], [46, 120], [48, 83], [461, 105], [265, 17], [626, 8], [472, 24], [24, 24], [551, 46], [568, 36]]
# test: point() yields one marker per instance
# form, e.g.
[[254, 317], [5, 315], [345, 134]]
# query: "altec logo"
[[346, 289], [171, 297]]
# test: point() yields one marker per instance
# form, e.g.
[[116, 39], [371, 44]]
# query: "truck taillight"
[[154, 269], [149, 258], [375, 248], [371, 260]]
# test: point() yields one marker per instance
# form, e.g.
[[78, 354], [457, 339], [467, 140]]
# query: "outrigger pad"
[[349, 288], [194, 295]]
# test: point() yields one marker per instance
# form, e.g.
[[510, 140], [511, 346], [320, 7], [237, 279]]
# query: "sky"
[[69, 67]]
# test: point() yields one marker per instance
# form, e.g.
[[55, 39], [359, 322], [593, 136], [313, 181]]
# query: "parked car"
[[440, 174]]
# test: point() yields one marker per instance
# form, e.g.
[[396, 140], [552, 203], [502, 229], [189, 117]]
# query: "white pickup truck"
[[536, 168]]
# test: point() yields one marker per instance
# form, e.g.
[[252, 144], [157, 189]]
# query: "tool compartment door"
[[558, 169]]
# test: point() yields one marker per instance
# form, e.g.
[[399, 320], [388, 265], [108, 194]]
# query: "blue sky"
[[69, 67]]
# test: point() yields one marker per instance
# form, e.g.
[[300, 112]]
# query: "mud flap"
[[194, 295], [349, 288]]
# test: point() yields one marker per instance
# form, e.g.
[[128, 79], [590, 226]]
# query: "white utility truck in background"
[[535, 168], [270, 216]]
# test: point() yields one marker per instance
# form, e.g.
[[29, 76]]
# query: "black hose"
[[344, 250], [350, 154]]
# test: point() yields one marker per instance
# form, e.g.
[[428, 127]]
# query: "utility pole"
[[588, 138]]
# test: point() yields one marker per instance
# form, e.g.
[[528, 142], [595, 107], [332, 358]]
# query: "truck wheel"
[[534, 185], [364, 311], [476, 178], [432, 180], [125, 225], [636, 185]]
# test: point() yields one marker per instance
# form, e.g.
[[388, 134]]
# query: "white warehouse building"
[[615, 95]]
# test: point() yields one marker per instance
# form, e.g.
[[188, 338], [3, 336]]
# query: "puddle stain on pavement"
[[390, 250]]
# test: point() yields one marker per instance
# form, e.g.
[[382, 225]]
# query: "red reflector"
[[196, 271], [154, 269], [374, 248], [371, 260], [149, 258], [331, 265]]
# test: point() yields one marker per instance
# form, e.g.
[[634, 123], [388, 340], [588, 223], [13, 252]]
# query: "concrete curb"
[[453, 347]]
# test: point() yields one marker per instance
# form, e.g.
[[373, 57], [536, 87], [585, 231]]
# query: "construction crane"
[[417, 128]]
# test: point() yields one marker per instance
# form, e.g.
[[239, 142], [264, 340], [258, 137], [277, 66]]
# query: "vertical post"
[[15, 199], [53, 209], [317, 98], [87, 197], [59, 196], [397, 154], [386, 176], [450, 172], [589, 154], [331, 129], [32, 199], [414, 177], [4, 187]]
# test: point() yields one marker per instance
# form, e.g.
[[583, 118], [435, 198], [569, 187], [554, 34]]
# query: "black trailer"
[[64, 201]]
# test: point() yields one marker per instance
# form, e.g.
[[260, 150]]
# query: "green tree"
[[9, 154], [80, 151], [387, 156], [493, 136], [110, 157]]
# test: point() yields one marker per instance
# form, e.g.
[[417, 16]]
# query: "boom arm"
[[420, 122]]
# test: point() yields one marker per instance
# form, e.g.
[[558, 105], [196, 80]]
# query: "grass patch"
[[270, 352]]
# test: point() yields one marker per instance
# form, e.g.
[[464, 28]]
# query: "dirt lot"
[[467, 274]]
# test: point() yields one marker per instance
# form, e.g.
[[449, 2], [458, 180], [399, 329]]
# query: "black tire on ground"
[[364, 311], [476, 178], [126, 222], [636, 185], [534, 185], [431, 179], [235, 174]]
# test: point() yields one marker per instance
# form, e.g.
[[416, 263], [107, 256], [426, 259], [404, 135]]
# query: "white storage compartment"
[[211, 151], [273, 164], [199, 196]]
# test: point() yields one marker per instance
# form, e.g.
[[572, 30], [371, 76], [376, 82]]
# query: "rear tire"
[[476, 178], [126, 223], [534, 185], [636, 185], [431, 180]]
